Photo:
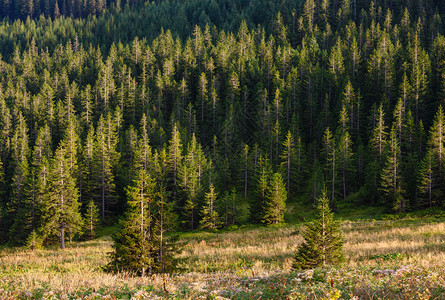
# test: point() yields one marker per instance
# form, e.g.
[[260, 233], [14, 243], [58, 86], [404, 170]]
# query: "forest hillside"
[[231, 118], [178, 129]]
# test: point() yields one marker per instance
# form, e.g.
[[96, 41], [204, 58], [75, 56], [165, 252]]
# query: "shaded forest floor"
[[392, 259]]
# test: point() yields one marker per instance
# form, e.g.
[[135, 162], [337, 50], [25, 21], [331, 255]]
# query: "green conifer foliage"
[[427, 179], [288, 158], [275, 205], [330, 160], [20, 205], [140, 246], [2, 178], [259, 201], [105, 158], [3, 227], [174, 156], [323, 239], [91, 219], [210, 215], [431, 171], [60, 206], [134, 242], [34, 241], [166, 221], [392, 185], [191, 173], [313, 95]]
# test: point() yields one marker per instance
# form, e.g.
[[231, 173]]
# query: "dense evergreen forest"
[[173, 111], [122, 22]]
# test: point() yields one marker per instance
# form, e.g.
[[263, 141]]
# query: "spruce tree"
[[288, 159], [323, 239], [142, 152], [336, 65], [86, 167], [376, 147], [330, 160], [246, 168], [419, 68], [34, 241], [263, 177], [275, 205], [20, 206], [377, 140], [3, 226], [60, 206], [133, 243], [105, 158], [91, 219], [174, 156], [139, 245], [391, 179], [437, 149], [2, 182], [191, 173], [344, 150], [166, 221], [316, 181], [210, 215]]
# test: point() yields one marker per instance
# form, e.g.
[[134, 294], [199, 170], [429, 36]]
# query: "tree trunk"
[[344, 181], [245, 180], [103, 187], [333, 174], [233, 209], [161, 239], [62, 237]]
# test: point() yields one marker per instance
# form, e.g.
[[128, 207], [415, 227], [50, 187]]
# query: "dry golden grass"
[[419, 244], [263, 249], [222, 262]]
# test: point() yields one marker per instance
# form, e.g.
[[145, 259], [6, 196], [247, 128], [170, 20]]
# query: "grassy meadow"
[[385, 259]]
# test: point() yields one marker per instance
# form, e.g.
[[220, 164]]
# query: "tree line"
[[23, 9], [102, 23], [185, 134]]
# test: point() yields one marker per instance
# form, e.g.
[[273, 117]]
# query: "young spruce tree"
[[323, 239], [92, 219], [210, 215], [275, 205]]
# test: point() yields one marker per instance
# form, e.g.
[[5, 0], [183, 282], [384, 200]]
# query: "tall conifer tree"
[[391, 179], [60, 206], [135, 242]]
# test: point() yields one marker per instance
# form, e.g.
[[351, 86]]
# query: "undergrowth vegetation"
[[392, 259]]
